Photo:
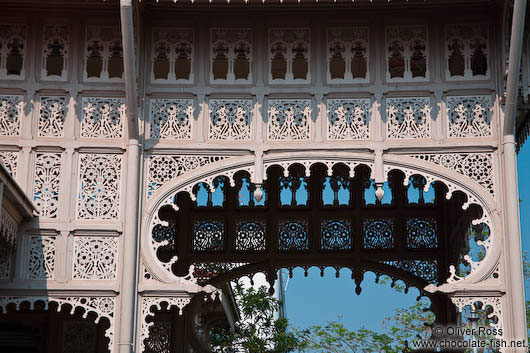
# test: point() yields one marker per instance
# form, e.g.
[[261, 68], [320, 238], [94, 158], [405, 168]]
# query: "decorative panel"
[[421, 233], [47, 180], [407, 53], [293, 235], [208, 236], [378, 233], [172, 55], [231, 55], [467, 51], [103, 117], [8, 228], [289, 55], [5, 262], [426, 269], [95, 257], [348, 119], [230, 119], [335, 234], [408, 118], [250, 235], [99, 186], [171, 119], [348, 55], [11, 111], [103, 54], [55, 48], [10, 161], [289, 119], [52, 114], [79, 336], [469, 116], [12, 51], [42, 254], [159, 338]]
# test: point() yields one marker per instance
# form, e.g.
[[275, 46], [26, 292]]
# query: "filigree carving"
[[335, 234], [78, 337], [421, 233], [99, 186], [293, 235], [230, 119], [428, 270], [408, 118], [469, 116], [95, 257], [231, 55], [289, 119], [162, 169], [205, 271], [495, 316], [11, 112], [407, 53], [289, 55], [378, 233], [172, 55], [10, 161], [159, 337], [250, 235], [348, 119], [55, 57], [46, 183], [12, 51], [171, 118], [52, 114], [103, 54], [8, 228], [467, 51], [348, 54], [208, 236], [103, 117], [42, 253]]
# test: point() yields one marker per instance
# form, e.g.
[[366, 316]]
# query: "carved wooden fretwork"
[[55, 45], [41, 260], [408, 118], [289, 119], [95, 258], [12, 51], [469, 116], [47, 180], [407, 53], [10, 161], [103, 117], [8, 228], [11, 112], [172, 55], [467, 51], [348, 119], [230, 119], [348, 55], [171, 119], [289, 56], [103, 54], [5, 261], [231, 55], [52, 114]]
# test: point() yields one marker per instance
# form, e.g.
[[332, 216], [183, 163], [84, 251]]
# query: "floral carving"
[[428, 270], [289, 55], [47, 182], [469, 116], [12, 51], [55, 57], [293, 235], [51, 116], [103, 117], [378, 233], [171, 118], [159, 337], [421, 233], [103, 54], [95, 257], [11, 110], [467, 51], [172, 55], [231, 55], [335, 234], [348, 53], [250, 235], [289, 119], [99, 186], [348, 119], [230, 119], [10, 161], [408, 118], [42, 253], [407, 53], [208, 236]]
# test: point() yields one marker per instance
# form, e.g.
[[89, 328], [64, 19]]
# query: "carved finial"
[[379, 192], [258, 193]]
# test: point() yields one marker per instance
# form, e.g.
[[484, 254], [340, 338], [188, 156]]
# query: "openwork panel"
[[208, 235], [348, 54], [95, 257], [348, 119], [408, 118], [99, 186], [289, 55], [171, 119], [250, 235], [47, 180], [10, 161], [79, 337], [172, 55], [42, 254], [378, 233], [422, 233], [103, 117], [230, 119], [52, 114], [12, 51], [231, 55], [469, 116], [159, 338], [467, 51], [5, 261], [293, 235], [289, 119], [11, 112], [426, 269], [55, 46], [8, 228], [103, 54], [335, 234]]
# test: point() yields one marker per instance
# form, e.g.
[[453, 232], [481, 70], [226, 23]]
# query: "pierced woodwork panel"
[[421, 233], [335, 235], [208, 236], [378, 233], [293, 235], [12, 51], [251, 235]]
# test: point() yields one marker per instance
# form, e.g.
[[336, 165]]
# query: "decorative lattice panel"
[[10, 161], [172, 55], [469, 116], [348, 54], [289, 119], [171, 118], [52, 114], [95, 257], [103, 117], [13, 52], [55, 44], [11, 111], [230, 119], [42, 254], [47, 180], [5, 262], [467, 51], [408, 118], [407, 53], [348, 119]]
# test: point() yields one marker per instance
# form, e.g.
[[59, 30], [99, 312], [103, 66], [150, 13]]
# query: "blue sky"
[[314, 300]]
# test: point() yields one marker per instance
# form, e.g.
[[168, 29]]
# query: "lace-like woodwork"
[[348, 54], [52, 116], [250, 236], [162, 169], [103, 54], [469, 116], [103, 118], [102, 307], [289, 55], [407, 53], [208, 236], [46, 183], [495, 303], [335, 235], [11, 111], [378, 233], [348, 119], [408, 118], [95, 258], [78, 337], [171, 118], [289, 120], [476, 166], [467, 51], [8, 228], [230, 119], [42, 253], [231, 55], [423, 269], [421, 233], [293, 235], [12, 51], [172, 55], [99, 186], [5, 262], [55, 57], [10, 161], [159, 338]]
